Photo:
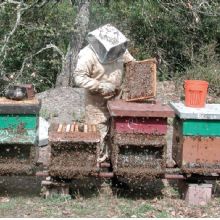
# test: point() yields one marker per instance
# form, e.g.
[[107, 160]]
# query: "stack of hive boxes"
[[138, 138], [74, 150], [18, 136], [139, 124], [196, 140]]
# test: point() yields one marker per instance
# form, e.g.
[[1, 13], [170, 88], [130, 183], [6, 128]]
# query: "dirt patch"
[[168, 91], [63, 104]]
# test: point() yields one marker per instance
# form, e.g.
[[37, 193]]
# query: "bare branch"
[[48, 46], [21, 8], [2, 4], [12, 2], [18, 20], [42, 3]]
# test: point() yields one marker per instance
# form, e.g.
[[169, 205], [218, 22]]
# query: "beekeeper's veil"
[[108, 43]]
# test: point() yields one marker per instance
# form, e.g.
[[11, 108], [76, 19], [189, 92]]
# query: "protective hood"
[[108, 43]]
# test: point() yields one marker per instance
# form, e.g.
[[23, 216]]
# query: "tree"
[[80, 30], [33, 40], [40, 39]]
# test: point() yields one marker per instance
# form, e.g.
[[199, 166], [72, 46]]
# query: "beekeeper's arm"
[[82, 77], [82, 73]]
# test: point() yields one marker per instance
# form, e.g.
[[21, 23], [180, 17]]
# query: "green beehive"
[[19, 121], [198, 121], [18, 136], [201, 128]]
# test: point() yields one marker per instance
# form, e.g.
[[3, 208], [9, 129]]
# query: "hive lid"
[[71, 133], [120, 108], [28, 106], [210, 111]]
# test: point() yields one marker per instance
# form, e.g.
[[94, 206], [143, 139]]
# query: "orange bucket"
[[195, 93]]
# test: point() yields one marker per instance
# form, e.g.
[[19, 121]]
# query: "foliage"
[[39, 26], [206, 66], [175, 32]]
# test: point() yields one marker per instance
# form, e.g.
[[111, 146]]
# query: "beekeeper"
[[99, 70]]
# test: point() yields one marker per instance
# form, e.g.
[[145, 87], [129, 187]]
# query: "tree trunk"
[[65, 78]]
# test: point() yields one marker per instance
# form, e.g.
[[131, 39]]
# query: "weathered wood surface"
[[154, 126], [120, 108], [28, 106]]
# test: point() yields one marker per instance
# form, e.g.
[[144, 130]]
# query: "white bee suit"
[[94, 76]]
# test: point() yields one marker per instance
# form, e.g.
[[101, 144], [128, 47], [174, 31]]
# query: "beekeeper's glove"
[[107, 88]]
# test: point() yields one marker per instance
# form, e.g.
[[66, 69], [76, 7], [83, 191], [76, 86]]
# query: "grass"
[[65, 207], [7, 205], [101, 205], [98, 207]]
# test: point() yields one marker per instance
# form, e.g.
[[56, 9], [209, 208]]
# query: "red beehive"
[[138, 133]]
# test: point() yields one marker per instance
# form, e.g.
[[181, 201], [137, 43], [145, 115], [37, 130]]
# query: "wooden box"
[[19, 121], [138, 162], [154, 126], [138, 138], [195, 154], [196, 138], [18, 136], [73, 152]]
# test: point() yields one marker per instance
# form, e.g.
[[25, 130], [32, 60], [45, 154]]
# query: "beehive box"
[[138, 137], [195, 154], [74, 150], [18, 136], [138, 162], [140, 80], [196, 138]]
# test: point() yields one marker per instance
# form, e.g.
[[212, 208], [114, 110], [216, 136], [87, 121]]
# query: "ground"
[[20, 196]]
